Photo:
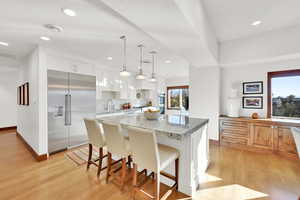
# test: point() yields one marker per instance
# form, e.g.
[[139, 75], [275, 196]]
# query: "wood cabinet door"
[[286, 142], [262, 136]]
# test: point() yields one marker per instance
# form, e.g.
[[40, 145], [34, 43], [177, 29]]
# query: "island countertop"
[[174, 124]]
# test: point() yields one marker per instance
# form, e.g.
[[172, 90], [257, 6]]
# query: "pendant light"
[[140, 75], [153, 79], [124, 72]]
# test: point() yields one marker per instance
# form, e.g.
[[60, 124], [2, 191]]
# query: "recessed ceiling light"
[[109, 58], [168, 61], [3, 43], [69, 12], [256, 23], [45, 38]]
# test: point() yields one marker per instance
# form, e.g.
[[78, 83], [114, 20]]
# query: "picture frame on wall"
[[22, 95], [19, 95], [253, 102], [26, 94], [255, 87]]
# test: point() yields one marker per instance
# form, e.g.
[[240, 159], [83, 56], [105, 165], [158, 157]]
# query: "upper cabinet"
[[111, 81], [145, 85], [128, 88], [108, 80]]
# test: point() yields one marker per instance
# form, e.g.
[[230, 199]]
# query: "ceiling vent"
[[53, 27]]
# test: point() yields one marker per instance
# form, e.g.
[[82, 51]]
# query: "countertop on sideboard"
[[271, 121]]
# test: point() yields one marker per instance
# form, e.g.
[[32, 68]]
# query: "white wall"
[[234, 77], [32, 119], [8, 96], [265, 46], [205, 97], [27, 121]]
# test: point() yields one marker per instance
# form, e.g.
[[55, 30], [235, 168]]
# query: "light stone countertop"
[[173, 124]]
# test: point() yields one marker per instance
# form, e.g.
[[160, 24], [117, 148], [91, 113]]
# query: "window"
[[284, 94], [178, 97]]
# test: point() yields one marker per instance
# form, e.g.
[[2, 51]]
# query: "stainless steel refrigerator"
[[71, 98]]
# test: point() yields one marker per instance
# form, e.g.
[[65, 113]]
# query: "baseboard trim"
[[214, 142], [11, 128], [30, 149]]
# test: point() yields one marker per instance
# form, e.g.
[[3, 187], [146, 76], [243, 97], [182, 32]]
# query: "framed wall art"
[[26, 94], [253, 87], [252, 102], [23, 94]]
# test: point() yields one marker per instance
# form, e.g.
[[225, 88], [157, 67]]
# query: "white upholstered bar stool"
[[96, 139], [117, 145], [147, 154]]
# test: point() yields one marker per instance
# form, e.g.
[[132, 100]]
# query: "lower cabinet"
[[286, 142], [260, 135]]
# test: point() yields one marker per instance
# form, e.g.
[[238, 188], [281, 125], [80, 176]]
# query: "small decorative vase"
[[233, 108]]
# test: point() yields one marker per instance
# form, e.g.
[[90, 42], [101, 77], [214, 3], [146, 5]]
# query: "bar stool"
[[96, 139], [147, 154], [117, 145]]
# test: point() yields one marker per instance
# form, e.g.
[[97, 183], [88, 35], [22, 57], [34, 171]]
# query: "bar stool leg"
[[108, 166], [156, 187], [176, 172], [129, 162], [123, 173], [90, 156], [134, 180], [100, 161]]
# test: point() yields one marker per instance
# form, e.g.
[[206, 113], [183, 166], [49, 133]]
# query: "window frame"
[[277, 74], [171, 88]]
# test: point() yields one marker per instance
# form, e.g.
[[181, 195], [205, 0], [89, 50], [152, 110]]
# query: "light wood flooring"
[[232, 175]]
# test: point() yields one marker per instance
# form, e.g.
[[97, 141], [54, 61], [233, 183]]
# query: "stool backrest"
[[115, 139], [95, 133], [144, 148]]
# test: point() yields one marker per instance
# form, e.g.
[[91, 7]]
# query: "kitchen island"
[[188, 135]]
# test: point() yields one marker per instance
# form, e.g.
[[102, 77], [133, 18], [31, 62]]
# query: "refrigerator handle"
[[68, 120]]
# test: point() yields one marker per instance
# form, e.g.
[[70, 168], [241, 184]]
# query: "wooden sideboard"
[[263, 135]]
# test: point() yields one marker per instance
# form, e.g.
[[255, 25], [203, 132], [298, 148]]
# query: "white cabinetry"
[[161, 86], [111, 81], [128, 88], [145, 85]]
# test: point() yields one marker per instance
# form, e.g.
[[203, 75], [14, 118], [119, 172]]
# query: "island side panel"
[[194, 159]]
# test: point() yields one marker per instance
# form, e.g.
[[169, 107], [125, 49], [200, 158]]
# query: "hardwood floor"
[[233, 174]]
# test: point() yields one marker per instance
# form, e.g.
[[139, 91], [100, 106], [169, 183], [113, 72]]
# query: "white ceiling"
[[93, 34], [232, 19], [184, 32]]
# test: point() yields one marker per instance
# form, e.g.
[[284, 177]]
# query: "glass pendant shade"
[[152, 78], [124, 71], [140, 75]]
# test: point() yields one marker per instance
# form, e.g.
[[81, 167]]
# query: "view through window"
[[178, 97], [285, 92]]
